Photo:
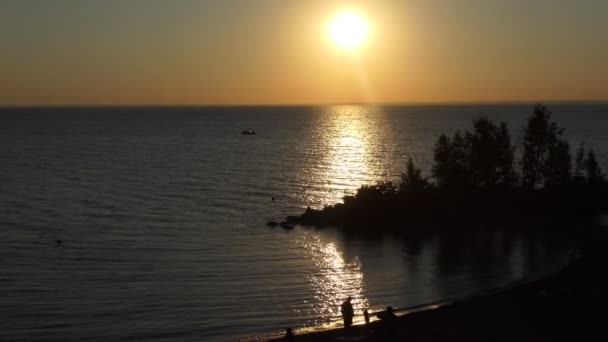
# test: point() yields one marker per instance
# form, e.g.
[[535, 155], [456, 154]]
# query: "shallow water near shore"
[[161, 214]]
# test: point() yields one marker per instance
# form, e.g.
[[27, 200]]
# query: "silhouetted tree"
[[491, 153], [579, 162], [460, 153], [482, 158], [441, 167], [558, 164], [594, 172], [411, 180], [585, 162], [544, 153], [451, 161]]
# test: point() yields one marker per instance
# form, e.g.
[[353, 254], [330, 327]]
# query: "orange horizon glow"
[[280, 53]]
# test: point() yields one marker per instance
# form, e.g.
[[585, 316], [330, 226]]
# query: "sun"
[[348, 30]]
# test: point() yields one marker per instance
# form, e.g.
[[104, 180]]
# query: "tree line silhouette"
[[475, 176]]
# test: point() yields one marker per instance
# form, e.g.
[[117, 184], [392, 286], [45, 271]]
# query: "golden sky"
[[188, 52]]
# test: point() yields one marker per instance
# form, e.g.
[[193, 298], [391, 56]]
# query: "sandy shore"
[[566, 306]]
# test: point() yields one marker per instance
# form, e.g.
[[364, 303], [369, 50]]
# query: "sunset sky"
[[189, 52]]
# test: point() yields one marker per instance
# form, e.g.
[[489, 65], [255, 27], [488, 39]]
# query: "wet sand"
[[567, 306]]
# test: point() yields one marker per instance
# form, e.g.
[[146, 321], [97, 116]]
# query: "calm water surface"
[[162, 211]]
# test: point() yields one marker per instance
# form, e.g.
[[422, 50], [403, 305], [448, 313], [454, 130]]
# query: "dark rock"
[[286, 225]]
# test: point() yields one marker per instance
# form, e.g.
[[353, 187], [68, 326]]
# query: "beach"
[[563, 306]]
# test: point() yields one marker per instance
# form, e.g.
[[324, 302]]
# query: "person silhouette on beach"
[[388, 315], [289, 336], [388, 319], [347, 312]]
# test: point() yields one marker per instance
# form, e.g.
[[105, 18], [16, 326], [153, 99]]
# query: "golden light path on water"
[[348, 149], [350, 141], [351, 144], [335, 280]]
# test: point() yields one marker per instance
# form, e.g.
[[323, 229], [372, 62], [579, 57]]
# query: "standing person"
[[366, 316], [289, 336], [347, 312], [388, 319]]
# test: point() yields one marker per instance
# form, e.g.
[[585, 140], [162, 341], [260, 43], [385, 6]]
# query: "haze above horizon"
[[234, 52]]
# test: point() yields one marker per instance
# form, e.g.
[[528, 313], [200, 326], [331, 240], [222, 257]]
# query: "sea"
[[149, 223]]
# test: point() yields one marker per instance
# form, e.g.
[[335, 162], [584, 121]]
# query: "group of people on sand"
[[348, 313]]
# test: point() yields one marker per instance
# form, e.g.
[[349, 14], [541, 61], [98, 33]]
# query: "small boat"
[[248, 132]]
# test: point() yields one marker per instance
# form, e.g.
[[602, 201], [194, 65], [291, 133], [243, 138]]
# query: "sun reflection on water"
[[349, 139], [335, 280]]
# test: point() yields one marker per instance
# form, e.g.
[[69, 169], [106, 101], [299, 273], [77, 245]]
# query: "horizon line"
[[310, 104]]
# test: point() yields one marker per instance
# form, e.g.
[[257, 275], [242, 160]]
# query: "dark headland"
[[476, 180]]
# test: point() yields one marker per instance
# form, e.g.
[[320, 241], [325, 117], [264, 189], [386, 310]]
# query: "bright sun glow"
[[348, 30]]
